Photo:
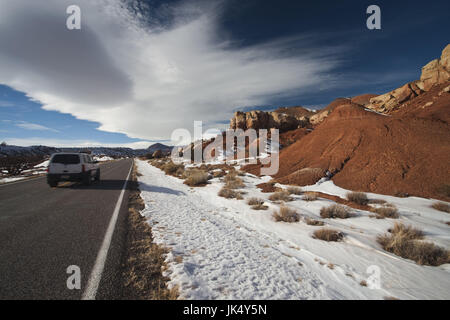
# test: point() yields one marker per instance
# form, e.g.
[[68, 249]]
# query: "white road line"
[[97, 270]]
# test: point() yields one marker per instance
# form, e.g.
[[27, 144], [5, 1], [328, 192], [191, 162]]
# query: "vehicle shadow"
[[117, 184]]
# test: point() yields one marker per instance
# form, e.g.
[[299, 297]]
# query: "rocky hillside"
[[396, 143]]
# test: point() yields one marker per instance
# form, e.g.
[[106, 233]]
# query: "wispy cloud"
[[33, 126], [30, 141], [6, 104], [147, 80]]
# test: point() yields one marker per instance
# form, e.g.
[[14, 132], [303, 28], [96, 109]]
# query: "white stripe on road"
[[97, 270]]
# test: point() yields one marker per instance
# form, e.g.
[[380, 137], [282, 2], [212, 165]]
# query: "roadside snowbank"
[[222, 249]]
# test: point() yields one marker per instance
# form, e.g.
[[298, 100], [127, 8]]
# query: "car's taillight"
[[46, 169], [83, 168]]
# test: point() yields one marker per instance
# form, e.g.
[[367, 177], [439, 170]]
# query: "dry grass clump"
[[229, 193], [441, 206], [386, 212], [404, 241], [328, 234], [310, 196], [286, 214], [357, 197], [232, 181], [280, 196], [377, 201], [171, 168], [294, 190], [313, 222], [218, 173], [257, 204], [335, 211], [196, 177]]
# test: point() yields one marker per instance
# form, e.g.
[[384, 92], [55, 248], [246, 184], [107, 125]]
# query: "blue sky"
[[197, 60]]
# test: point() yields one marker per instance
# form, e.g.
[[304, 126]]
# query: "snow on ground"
[[13, 179], [222, 249], [103, 158]]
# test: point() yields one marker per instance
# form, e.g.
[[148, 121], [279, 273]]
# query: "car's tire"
[[97, 175], [87, 178], [53, 183]]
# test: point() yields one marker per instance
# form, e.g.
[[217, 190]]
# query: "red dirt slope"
[[407, 151]]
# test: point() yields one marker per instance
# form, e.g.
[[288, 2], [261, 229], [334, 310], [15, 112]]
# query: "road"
[[45, 230]]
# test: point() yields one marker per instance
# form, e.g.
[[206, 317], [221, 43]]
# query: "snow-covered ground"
[[222, 249]]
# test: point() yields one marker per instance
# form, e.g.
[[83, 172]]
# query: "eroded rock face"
[[265, 120], [433, 73]]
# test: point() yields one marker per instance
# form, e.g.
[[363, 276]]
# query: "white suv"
[[72, 167]]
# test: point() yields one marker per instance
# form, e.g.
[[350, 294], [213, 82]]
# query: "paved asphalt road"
[[44, 230]]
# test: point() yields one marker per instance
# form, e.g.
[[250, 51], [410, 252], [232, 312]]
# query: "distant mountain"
[[17, 151], [159, 146]]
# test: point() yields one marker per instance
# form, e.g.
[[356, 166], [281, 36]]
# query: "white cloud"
[[31, 141], [33, 126], [146, 81]]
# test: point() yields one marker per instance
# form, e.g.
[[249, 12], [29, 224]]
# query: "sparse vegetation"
[[444, 190], [328, 234], [229, 193], [386, 212], [232, 181], [335, 211], [294, 190], [441, 206], [196, 177], [280, 196], [171, 168], [405, 241], [286, 214], [310, 196], [313, 222], [257, 204], [358, 198]]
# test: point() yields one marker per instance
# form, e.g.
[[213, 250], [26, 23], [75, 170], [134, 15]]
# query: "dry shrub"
[[286, 214], [254, 201], [218, 174], [310, 196], [229, 193], [441, 206], [294, 190], [232, 181], [280, 196], [259, 207], [196, 178], [328, 235], [401, 194], [404, 241], [386, 212], [357, 197], [313, 222], [335, 211]]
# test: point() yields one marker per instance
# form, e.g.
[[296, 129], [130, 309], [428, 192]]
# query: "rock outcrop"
[[256, 119], [433, 73]]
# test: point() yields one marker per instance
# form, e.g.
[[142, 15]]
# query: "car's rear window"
[[66, 159]]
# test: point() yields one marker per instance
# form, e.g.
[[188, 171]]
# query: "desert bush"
[[171, 168], [335, 211], [257, 204], [286, 214], [313, 222], [229, 193], [310, 196], [196, 177], [294, 190], [232, 181], [404, 241], [328, 234], [401, 194], [254, 201], [280, 196], [218, 173], [387, 212], [441, 206], [377, 201], [357, 197]]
